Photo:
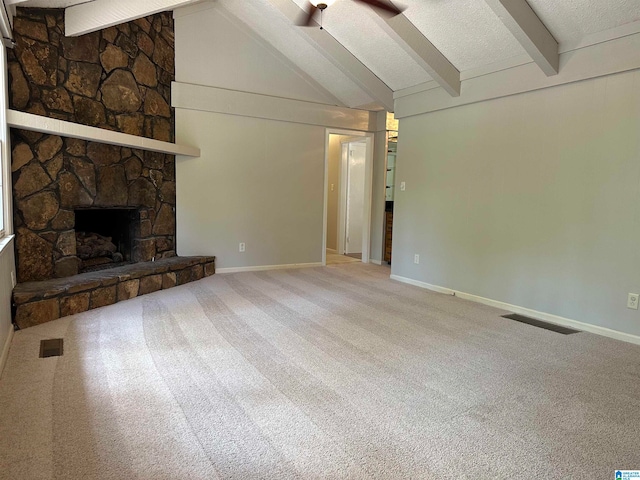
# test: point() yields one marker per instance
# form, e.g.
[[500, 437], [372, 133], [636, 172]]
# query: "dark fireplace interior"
[[104, 237]]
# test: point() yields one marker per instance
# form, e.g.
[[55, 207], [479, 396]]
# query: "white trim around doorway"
[[368, 193]]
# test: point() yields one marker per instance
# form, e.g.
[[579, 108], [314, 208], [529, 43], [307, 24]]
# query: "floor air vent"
[[540, 324], [51, 348]]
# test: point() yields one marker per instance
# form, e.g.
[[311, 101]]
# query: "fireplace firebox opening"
[[104, 237]]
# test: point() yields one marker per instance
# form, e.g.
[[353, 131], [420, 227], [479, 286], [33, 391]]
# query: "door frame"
[[368, 193]]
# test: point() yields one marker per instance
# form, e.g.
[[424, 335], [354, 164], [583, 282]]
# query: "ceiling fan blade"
[[306, 19], [383, 5]]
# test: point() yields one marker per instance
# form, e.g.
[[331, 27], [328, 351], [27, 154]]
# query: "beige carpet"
[[324, 373]]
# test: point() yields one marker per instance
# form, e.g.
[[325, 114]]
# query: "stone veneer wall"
[[118, 79]]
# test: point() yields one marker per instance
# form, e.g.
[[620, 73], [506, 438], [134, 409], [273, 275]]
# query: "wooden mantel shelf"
[[38, 123]]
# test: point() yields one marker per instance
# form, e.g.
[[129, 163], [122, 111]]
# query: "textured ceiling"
[[571, 20], [467, 32]]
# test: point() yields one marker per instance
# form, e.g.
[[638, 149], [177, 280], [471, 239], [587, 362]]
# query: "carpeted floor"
[[322, 373]]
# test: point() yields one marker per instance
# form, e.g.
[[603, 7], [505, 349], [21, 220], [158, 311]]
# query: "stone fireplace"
[[117, 79], [64, 186], [94, 223]]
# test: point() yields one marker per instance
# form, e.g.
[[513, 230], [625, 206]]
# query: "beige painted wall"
[[532, 200], [237, 59], [260, 182]]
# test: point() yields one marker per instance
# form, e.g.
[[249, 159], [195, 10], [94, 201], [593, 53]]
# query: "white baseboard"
[[376, 262], [5, 349], [418, 283], [260, 268], [547, 317]]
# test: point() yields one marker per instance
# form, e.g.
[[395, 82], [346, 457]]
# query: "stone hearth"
[[39, 302]]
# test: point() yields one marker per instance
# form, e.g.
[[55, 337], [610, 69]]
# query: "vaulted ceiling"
[[361, 59]]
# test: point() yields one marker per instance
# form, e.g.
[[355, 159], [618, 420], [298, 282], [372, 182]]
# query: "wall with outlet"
[[260, 124], [259, 185], [531, 200]]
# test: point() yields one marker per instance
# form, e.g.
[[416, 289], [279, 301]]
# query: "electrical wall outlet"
[[242, 247], [403, 186], [632, 301], [416, 259]]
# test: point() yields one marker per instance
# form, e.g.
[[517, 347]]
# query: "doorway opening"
[[348, 187]]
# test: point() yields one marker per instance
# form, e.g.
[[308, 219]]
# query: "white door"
[[355, 196]]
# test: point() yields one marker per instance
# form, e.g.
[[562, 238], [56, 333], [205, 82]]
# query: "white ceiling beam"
[[528, 29], [337, 54], [407, 35], [92, 16], [600, 60]]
